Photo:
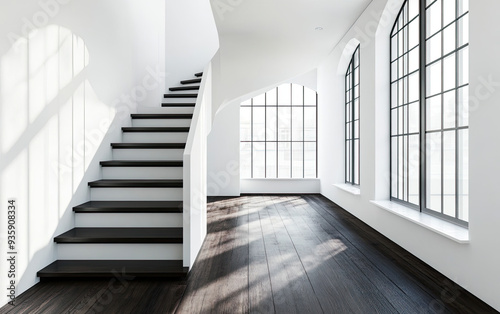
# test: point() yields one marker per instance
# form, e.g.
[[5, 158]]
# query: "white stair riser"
[[148, 154], [128, 220], [161, 122], [142, 172], [136, 194], [125, 251], [153, 137], [168, 110], [189, 100]]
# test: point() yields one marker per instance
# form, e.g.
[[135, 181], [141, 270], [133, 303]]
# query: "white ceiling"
[[287, 19]]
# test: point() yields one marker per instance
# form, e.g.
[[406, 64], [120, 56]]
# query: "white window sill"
[[442, 227], [354, 190]]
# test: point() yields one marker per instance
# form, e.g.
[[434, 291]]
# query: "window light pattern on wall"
[[429, 107], [278, 134], [352, 120]]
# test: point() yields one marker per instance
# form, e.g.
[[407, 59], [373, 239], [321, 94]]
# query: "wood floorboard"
[[370, 249], [324, 257], [273, 254], [260, 292]]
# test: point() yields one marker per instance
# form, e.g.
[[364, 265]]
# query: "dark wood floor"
[[273, 254]]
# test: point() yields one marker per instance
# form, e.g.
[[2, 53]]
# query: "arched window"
[[352, 120], [278, 134], [429, 107]]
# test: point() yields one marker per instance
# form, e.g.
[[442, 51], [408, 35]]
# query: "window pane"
[[297, 95], [310, 124], [463, 66], [434, 79], [413, 87], [271, 157], [449, 75], [463, 6], [394, 167], [449, 104], [414, 117], [413, 34], [356, 162], [259, 100], [309, 160], [449, 39], [297, 160], [434, 171], [284, 95], [259, 126], [259, 160], [284, 160], [463, 30], [463, 106], [413, 60], [284, 123], [433, 113], [246, 160], [433, 18], [246, 123], [413, 169], [449, 173], [297, 123], [271, 124], [449, 12], [463, 175], [271, 98], [434, 48]]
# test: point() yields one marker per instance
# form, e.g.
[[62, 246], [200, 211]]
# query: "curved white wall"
[[70, 73], [191, 38]]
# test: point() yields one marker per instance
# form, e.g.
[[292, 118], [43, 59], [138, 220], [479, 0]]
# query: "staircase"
[[133, 223]]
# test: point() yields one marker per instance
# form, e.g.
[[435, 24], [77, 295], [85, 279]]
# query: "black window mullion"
[[251, 137], [423, 88], [265, 135]]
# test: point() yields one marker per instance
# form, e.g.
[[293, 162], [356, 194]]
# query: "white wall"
[[475, 265], [70, 73], [191, 38], [224, 147]]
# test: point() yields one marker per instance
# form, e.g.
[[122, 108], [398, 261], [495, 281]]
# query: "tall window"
[[352, 120], [429, 107], [278, 134]]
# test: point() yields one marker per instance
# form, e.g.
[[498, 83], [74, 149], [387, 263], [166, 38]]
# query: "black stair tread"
[[199, 74], [192, 81], [148, 145], [136, 183], [156, 129], [130, 207], [142, 163], [161, 116], [178, 104], [113, 268], [192, 95], [121, 235], [180, 88]]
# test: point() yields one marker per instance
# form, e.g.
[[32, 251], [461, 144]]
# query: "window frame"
[[276, 104], [423, 96], [351, 111]]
